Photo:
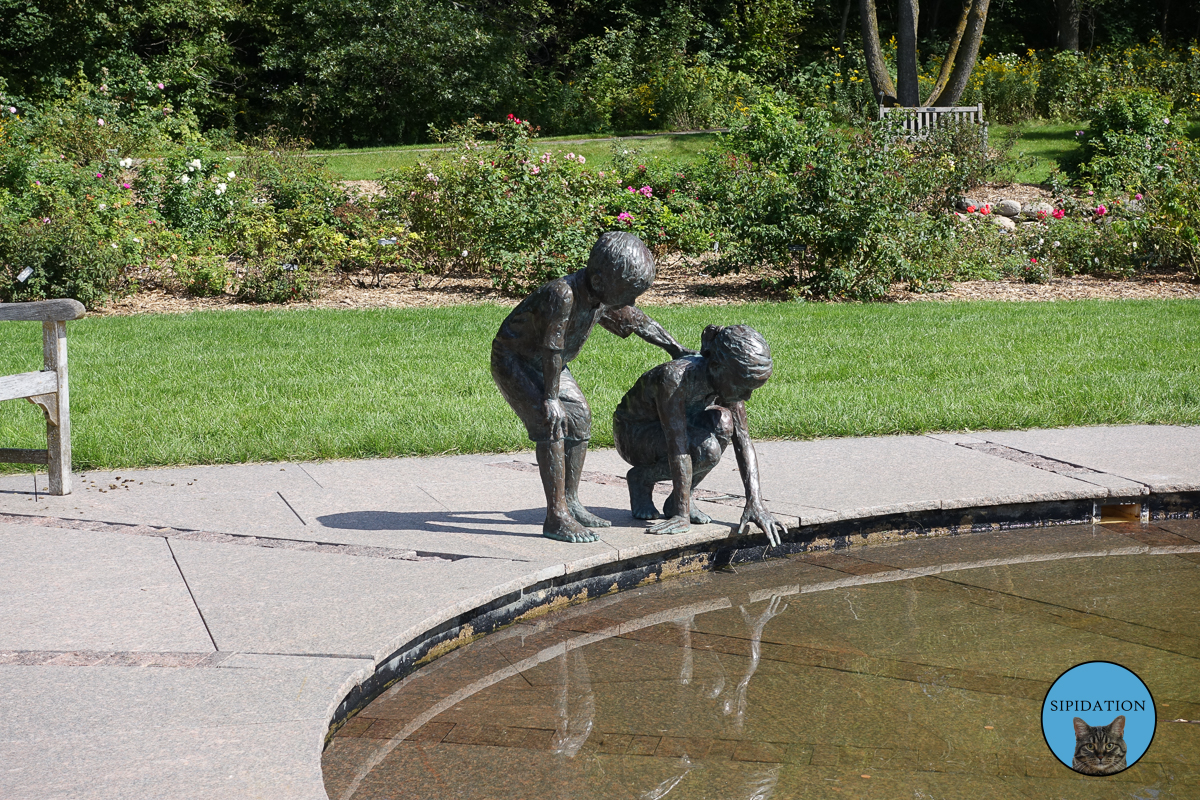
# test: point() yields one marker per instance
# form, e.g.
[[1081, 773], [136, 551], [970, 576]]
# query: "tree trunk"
[[960, 75], [881, 79], [952, 53], [906, 55], [1068, 24], [845, 19]]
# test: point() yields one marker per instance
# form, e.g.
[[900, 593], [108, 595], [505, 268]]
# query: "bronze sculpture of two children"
[[674, 423]]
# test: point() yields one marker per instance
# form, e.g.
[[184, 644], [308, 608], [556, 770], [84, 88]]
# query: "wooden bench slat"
[[27, 384], [15, 455], [42, 311]]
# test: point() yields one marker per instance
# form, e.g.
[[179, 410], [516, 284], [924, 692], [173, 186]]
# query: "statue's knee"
[[722, 423], [707, 454]]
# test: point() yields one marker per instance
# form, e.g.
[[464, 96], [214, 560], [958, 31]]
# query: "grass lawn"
[[1040, 148], [218, 387], [357, 165]]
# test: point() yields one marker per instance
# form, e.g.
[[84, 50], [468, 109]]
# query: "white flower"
[[12, 109], [1057, 244], [571, 156], [184, 179], [103, 206], [114, 245], [126, 163], [429, 176], [230, 175], [582, 160], [195, 162], [100, 122], [136, 239], [1166, 120], [222, 187], [464, 255]]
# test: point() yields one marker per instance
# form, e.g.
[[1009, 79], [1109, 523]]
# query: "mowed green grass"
[[359, 165], [227, 387], [1040, 148]]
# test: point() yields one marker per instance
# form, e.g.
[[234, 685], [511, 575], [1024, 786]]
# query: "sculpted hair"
[[740, 349], [624, 257]]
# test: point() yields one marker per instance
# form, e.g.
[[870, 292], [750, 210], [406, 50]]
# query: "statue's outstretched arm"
[[747, 461], [631, 319]]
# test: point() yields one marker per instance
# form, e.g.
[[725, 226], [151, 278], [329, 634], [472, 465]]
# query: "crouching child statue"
[[678, 419], [529, 365]]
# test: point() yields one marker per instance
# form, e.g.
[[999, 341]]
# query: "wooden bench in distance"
[[919, 121], [46, 389]]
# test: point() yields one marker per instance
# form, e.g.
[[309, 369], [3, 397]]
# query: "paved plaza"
[[191, 632]]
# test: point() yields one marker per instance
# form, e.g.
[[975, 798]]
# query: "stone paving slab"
[[77, 590], [1165, 458], [859, 478], [250, 731], [297, 566], [277, 601]]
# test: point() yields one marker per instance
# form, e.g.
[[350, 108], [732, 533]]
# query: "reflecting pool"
[[911, 670]]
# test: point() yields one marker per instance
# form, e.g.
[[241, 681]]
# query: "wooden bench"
[[921, 121], [47, 388]]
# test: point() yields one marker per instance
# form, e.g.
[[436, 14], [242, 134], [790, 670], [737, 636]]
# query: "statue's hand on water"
[[755, 512], [680, 523]]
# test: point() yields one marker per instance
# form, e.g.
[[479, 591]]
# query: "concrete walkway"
[[193, 632]]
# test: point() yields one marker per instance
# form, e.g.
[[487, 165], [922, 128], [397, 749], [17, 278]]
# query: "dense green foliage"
[[1070, 85], [813, 210], [257, 386], [355, 72]]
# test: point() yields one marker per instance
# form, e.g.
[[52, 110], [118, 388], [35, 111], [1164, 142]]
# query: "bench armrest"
[[42, 311]]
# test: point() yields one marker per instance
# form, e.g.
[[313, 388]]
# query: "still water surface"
[[913, 670]]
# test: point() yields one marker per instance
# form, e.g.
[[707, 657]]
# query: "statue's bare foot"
[[697, 517], [584, 517], [647, 511], [566, 529], [641, 494]]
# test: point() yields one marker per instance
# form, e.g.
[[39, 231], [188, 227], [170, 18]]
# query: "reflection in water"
[[685, 671], [923, 670], [670, 783], [760, 786], [737, 705], [576, 706]]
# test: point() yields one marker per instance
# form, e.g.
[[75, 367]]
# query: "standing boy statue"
[[679, 417], [529, 364]]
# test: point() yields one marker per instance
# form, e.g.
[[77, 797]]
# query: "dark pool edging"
[[587, 584]]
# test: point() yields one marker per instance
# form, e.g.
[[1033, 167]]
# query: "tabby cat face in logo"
[[1099, 750]]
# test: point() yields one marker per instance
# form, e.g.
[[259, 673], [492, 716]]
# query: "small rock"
[[1004, 223], [1032, 210], [1009, 208], [964, 202]]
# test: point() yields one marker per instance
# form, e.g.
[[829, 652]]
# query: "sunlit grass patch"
[[227, 387]]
